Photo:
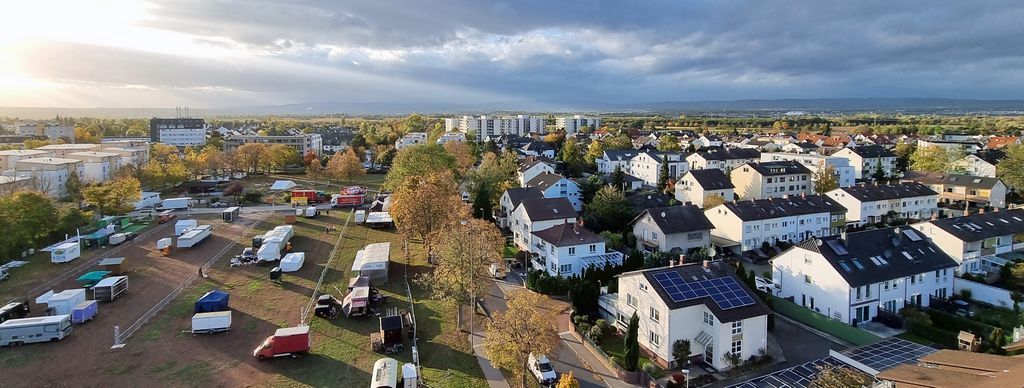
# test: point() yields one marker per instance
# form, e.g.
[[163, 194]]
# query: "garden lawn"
[[614, 346]]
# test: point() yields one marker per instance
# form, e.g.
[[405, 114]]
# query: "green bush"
[[252, 196]]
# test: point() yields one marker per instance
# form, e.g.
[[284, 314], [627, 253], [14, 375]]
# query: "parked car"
[[766, 285], [542, 370], [4, 274]]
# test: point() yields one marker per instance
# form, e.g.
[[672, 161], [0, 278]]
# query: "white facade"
[[49, 175], [51, 131], [10, 158], [698, 161], [751, 234], [576, 122], [451, 136], [647, 166], [530, 171], [562, 188], [863, 168], [486, 126], [750, 183], [97, 167], [869, 212], [183, 137], [610, 160], [974, 165], [571, 260], [844, 172], [660, 327], [523, 227], [688, 190], [411, 139]]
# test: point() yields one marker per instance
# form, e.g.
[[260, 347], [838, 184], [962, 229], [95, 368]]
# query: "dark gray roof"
[[711, 179], [545, 180], [620, 155], [806, 145], [991, 156], [568, 234], [543, 209], [717, 269], [933, 178], [730, 154], [538, 146], [874, 192], [518, 194], [977, 227], [646, 199], [678, 219], [782, 167], [873, 151], [764, 209], [528, 164], [878, 255]]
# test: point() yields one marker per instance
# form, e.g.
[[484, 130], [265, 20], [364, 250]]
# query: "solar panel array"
[[724, 290], [888, 353], [799, 376]]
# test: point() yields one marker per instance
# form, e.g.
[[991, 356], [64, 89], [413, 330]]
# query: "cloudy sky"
[[211, 53]]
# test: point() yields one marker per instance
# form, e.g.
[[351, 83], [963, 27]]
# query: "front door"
[[863, 313], [709, 354]]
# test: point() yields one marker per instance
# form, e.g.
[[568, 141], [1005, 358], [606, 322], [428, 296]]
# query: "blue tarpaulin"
[[215, 300]]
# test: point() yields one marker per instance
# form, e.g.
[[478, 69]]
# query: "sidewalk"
[[590, 359], [494, 377]]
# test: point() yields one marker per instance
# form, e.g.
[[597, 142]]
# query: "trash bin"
[[275, 274]]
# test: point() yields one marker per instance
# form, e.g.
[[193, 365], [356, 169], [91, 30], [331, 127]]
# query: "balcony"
[[971, 255]]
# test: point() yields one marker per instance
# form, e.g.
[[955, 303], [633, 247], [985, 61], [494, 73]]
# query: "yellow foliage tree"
[[464, 159], [466, 250], [568, 381], [345, 166], [515, 333], [423, 205], [252, 156], [114, 197]]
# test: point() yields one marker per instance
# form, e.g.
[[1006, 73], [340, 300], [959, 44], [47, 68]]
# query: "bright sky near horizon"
[[218, 53]]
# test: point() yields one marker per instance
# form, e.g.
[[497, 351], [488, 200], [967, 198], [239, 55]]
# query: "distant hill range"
[[734, 107]]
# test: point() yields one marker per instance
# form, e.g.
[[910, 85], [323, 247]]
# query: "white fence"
[[984, 293]]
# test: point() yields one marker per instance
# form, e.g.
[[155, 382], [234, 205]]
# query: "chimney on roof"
[[842, 235], [935, 216], [682, 259], [995, 210]]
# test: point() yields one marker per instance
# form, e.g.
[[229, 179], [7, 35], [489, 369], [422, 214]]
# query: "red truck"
[[288, 341], [304, 197], [349, 196]]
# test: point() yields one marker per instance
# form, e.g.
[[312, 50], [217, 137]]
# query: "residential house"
[[532, 215], [866, 159], [967, 146], [97, 166], [772, 180], [956, 188], [956, 368], [411, 139], [530, 168], [677, 229], [557, 186], [707, 141], [62, 150], [995, 142], [747, 225], [844, 172], [800, 148], [972, 240], [983, 163], [567, 249], [871, 203], [451, 136], [724, 159], [647, 166], [510, 199], [696, 185], [612, 159], [49, 175], [852, 276], [10, 158], [538, 148], [703, 303]]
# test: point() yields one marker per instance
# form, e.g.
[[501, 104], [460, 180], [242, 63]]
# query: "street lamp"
[[686, 373]]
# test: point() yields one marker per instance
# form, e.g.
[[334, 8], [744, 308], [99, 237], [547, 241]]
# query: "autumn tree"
[[669, 143], [573, 156], [608, 209], [825, 179], [831, 376], [595, 151], [345, 166], [383, 154], [165, 167], [314, 169], [934, 159], [423, 205], [520, 330], [251, 157], [1011, 168], [568, 380], [113, 197], [462, 155], [903, 151], [417, 161], [73, 189], [494, 175], [466, 250], [619, 142], [555, 138], [281, 155], [712, 200]]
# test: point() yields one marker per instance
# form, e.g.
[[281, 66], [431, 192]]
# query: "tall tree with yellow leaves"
[[518, 331], [568, 380], [464, 159], [466, 250], [345, 166], [423, 205]]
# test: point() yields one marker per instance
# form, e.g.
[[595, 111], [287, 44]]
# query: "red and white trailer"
[[349, 196]]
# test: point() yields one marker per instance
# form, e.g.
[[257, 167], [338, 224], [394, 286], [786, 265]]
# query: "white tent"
[[292, 261], [282, 185], [372, 261]]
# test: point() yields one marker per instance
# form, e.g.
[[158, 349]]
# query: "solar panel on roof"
[[725, 291]]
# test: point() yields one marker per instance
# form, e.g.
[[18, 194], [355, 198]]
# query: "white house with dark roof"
[[871, 203], [746, 225], [973, 240], [696, 185], [672, 229], [557, 186], [844, 172], [771, 180], [707, 141], [865, 160], [568, 248], [724, 159], [538, 148], [611, 159], [955, 188], [510, 199], [975, 165], [529, 169], [646, 165], [532, 215], [704, 303], [411, 139], [849, 277]]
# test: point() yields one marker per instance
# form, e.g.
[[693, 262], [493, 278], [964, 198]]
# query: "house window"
[[631, 300], [694, 236], [737, 327], [572, 251], [655, 339], [709, 319], [655, 316], [886, 285], [737, 347], [807, 279], [654, 236], [867, 291], [643, 287], [858, 294], [593, 248], [565, 268]]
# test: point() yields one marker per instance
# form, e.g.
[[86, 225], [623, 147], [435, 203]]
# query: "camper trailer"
[[66, 252], [38, 329]]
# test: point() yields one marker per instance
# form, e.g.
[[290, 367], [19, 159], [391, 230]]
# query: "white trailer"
[[271, 249], [175, 203], [311, 212], [66, 252], [209, 323], [194, 236], [147, 199], [117, 238], [183, 226], [292, 262], [110, 288], [63, 302], [37, 329]]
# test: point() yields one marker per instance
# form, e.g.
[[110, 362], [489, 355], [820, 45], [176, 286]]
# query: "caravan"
[[38, 329]]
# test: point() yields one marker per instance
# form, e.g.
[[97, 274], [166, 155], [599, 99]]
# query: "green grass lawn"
[[615, 347], [914, 338]]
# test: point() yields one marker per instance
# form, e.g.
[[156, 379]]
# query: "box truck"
[[349, 196], [194, 236], [84, 312], [183, 226], [65, 252], [303, 197], [230, 214], [175, 203], [117, 238], [110, 288], [38, 329], [213, 322], [62, 302], [286, 341]]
